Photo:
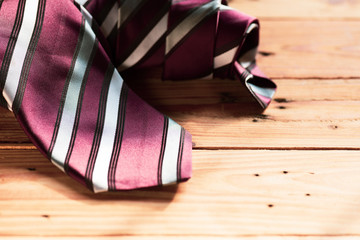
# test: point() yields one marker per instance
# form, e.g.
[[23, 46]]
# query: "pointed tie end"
[[262, 89]]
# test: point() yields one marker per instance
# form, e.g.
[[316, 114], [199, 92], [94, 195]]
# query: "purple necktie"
[[60, 63]]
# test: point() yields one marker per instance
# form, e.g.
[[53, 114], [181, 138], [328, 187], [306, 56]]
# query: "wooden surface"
[[291, 172]]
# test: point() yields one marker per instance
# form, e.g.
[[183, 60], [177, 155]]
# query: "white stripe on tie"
[[86, 15], [126, 9], [225, 58], [181, 30], [169, 167], [252, 27], [110, 21], [20, 49], [154, 35], [81, 2], [63, 138], [248, 58], [102, 162], [225, 8], [266, 92]]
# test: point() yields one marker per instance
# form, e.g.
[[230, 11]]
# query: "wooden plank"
[[222, 109], [247, 193], [214, 91], [310, 49], [161, 237], [10, 130], [317, 90], [301, 125], [314, 9]]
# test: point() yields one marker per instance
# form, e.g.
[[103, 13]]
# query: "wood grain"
[[305, 114], [160, 237], [291, 172], [310, 49], [309, 9], [247, 193]]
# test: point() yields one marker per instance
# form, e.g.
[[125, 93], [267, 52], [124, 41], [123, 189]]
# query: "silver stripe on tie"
[[251, 27], [248, 58], [181, 30], [146, 44], [266, 92], [126, 10], [20, 49], [86, 15], [81, 2], [225, 58], [169, 166], [102, 162], [225, 8], [72, 96], [110, 21]]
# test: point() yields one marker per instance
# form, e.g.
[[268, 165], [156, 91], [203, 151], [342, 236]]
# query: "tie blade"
[[141, 149], [76, 108], [175, 155], [260, 87], [262, 94], [169, 163]]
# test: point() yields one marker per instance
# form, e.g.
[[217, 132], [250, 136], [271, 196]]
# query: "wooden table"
[[291, 172]]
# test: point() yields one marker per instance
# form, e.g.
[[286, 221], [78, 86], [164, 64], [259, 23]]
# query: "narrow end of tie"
[[260, 87]]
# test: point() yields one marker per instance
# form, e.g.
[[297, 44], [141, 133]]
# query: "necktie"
[[60, 64]]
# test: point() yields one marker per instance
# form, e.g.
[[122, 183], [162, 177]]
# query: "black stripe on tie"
[[86, 3], [118, 137], [244, 76], [102, 40], [143, 33], [180, 154], [29, 56], [79, 105], [162, 149], [11, 44], [1, 1], [99, 126], [66, 85]]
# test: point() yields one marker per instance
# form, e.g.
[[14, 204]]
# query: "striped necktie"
[[60, 64], [188, 38]]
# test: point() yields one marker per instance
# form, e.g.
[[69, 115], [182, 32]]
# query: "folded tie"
[[60, 64], [189, 39]]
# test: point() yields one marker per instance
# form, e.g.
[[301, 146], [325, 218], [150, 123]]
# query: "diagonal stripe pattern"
[[191, 39], [60, 63]]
